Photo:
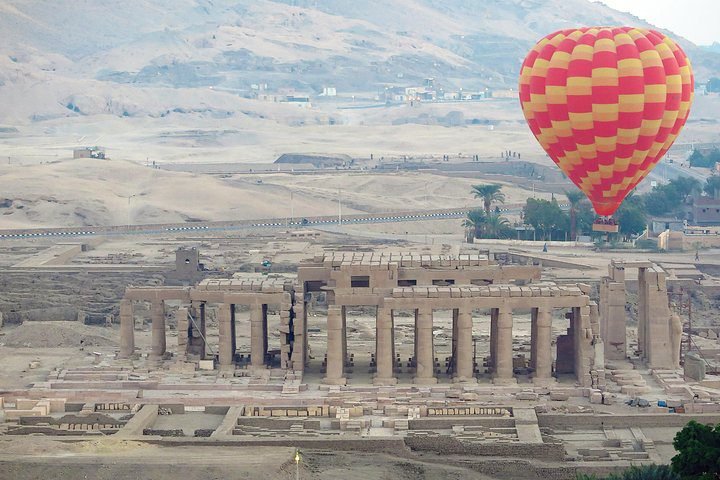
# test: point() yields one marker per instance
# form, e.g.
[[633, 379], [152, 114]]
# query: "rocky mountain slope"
[[162, 57]]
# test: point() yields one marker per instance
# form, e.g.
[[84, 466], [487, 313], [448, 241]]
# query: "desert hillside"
[[151, 58], [208, 81]]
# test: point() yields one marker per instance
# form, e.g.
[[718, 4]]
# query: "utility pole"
[[292, 208]]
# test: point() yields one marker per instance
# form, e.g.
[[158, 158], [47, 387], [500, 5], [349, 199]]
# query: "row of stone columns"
[[463, 367], [501, 356], [191, 331], [227, 334], [127, 329]]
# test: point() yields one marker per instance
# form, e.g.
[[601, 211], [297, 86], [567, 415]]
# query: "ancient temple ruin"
[[421, 284]]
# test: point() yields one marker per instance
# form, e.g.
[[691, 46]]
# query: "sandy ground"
[[92, 192], [42, 186], [25, 459]]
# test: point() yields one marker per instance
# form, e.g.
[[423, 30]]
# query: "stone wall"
[[637, 419], [447, 445]]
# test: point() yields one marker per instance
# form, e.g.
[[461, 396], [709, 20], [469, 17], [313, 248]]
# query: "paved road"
[[272, 223], [155, 229], [671, 171]]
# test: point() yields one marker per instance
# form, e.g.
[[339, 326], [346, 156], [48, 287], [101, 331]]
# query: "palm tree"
[[489, 193], [575, 197], [494, 225], [476, 220]]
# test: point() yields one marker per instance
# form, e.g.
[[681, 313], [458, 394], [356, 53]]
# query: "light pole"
[[128, 209]]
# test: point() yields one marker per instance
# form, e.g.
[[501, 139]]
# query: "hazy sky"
[[696, 20]]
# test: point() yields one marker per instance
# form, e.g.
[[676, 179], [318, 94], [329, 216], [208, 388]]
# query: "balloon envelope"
[[606, 103]]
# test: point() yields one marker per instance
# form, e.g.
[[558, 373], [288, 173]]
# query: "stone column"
[[612, 314], [586, 323], [384, 348], [653, 302], [543, 347], [493, 340], [158, 329], [233, 333], [642, 315], [265, 330], [225, 333], [201, 334], [533, 338], [343, 315], [127, 329], [453, 351], [258, 335], [181, 319], [464, 358], [503, 345], [335, 369], [425, 373], [299, 333]]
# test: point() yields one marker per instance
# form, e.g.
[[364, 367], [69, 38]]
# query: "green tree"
[[487, 226], [707, 159], [712, 186], [697, 159], [575, 197], [698, 448], [668, 199], [476, 220], [544, 215], [496, 226], [686, 186], [631, 217], [489, 193], [584, 218]]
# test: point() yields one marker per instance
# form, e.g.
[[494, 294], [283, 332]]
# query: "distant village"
[[427, 92]]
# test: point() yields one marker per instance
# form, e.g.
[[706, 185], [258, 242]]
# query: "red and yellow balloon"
[[606, 103]]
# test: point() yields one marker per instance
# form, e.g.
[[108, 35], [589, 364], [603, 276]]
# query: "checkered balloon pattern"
[[606, 103]]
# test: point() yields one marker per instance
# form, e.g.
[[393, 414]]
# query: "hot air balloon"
[[606, 103]]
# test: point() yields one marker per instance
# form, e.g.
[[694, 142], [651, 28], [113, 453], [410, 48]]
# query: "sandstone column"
[[503, 347], [658, 350], [464, 359], [493, 340], [543, 347], [384, 348], [453, 351], [127, 329], [224, 333], [612, 313], [202, 332], [425, 372], [335, 368], [181, 319], [533, 338], [158, 329], [343, 315], [299, 333], [233, 333], [258, 335]]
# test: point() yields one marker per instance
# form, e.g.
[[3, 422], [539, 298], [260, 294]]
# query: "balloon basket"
[[605, 227]]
